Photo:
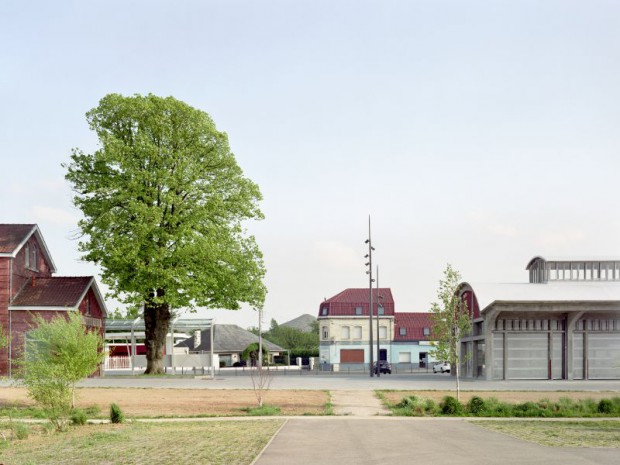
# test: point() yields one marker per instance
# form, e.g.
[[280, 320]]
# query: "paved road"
[[398, 441], [351, 382]]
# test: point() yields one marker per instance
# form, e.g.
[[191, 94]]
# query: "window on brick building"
[[33, 262]]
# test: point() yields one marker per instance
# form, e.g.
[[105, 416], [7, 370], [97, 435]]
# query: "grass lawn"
[[212, 442], [603, 433]]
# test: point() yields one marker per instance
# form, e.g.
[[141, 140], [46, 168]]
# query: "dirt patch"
[[184, 402], [505, 396]]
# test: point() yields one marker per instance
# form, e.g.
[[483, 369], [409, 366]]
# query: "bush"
[[407, 402], [116, 414], [605, 406], [450, 406], [476, 405], [430, 406], [64, 353], [530, 409], [79, 417]]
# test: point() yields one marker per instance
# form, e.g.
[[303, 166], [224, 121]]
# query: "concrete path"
[[398, 441], [357, 403]]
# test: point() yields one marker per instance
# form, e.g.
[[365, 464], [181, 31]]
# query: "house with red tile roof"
[[28, 289], [344, 325]]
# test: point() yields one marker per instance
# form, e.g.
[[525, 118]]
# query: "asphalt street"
[[307, 380]]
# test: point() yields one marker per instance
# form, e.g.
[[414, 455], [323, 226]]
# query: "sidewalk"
[[397, 440], [357, 403]]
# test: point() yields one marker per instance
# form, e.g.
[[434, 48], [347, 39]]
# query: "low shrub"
[[450, 406], [431, 407], [605, 406], [79, 417], [413, 406], [116, 414], [492, 407], [531, 409], [476, 405], [407, 402]]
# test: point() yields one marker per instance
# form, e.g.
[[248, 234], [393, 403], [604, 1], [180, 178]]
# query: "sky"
[[475, 133]]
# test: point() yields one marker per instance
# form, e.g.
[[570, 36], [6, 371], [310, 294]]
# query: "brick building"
[[28, 288]]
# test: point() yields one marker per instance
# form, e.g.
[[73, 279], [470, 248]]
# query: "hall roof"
[[555, 291]]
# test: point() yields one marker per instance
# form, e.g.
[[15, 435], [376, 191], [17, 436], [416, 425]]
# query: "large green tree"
[[451, 321], [164, 204]]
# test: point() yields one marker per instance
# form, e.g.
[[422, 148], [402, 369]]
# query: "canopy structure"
[[131, 330]]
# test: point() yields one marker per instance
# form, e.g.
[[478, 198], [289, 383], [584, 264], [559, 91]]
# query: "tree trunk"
[[458, 386], [156, 323]]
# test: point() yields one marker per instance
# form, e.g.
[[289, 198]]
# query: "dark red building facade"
[[28, 289]]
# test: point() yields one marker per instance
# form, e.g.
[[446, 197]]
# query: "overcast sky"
[[475, 133]]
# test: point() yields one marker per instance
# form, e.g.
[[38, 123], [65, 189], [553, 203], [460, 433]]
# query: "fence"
[[324, 369]]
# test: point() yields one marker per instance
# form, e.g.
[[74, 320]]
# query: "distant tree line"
[[298, 343]]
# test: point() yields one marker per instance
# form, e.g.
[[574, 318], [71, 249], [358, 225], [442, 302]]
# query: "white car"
[[443, 367]]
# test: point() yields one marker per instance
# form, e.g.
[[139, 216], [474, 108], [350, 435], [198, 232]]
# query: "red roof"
[[360, 295], [414, 324], [53, 292], [12, 235], [349, 301]]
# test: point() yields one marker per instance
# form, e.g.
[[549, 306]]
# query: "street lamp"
[[370, 281], [379, 297]]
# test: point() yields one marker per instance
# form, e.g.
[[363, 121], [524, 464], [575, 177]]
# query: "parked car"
[[384, 367], [443, 367]]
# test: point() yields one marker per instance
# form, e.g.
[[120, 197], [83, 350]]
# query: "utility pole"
[[378, 347], [370, 281], [259, 362]]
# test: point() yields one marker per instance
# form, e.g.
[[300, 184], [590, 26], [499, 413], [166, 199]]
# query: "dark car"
[[384, 367]]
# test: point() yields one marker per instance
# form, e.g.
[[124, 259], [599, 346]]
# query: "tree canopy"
[[165, 205], [292, 338]]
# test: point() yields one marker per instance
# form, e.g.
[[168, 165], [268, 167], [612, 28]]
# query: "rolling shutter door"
[[351, 355], [603, 356], [527, 356]]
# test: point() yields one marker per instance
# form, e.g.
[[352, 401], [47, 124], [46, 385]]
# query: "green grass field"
[[603, 433], [212, 442]]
